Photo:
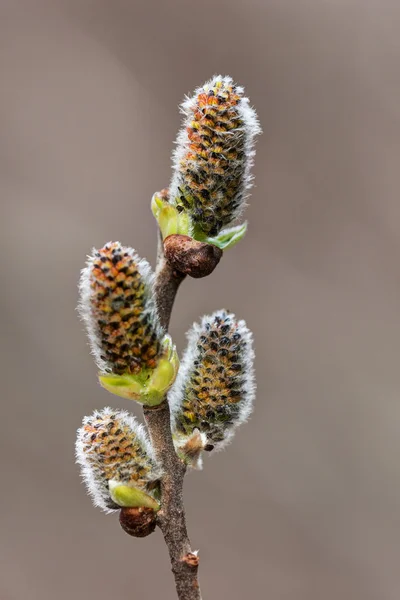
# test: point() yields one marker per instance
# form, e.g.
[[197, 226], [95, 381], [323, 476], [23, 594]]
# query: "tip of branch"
[[193, 258]]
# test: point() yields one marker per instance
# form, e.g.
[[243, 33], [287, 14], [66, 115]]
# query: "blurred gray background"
[[305, 503]]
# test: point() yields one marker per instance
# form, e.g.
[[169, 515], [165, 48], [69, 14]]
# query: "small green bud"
[[117, 461], [170, 220], [127, 496], [149, 386]]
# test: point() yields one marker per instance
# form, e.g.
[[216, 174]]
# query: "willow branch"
[[171, 517], [177, 256], [166, 286]]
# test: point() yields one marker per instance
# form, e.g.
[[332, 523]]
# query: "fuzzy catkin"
[[117, 306], [215, 388], [111, 445], [214, 154]]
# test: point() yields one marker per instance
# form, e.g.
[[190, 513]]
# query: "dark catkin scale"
[[215, 385], [119, 300], [211, 170], [113, 452]]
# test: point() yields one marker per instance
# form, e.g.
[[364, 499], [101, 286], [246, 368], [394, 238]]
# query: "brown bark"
[[171, 517], [166, 286]]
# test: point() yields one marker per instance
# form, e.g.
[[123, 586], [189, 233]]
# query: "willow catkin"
[[112, 446], [118, 308], [215, 387], [214, 155]]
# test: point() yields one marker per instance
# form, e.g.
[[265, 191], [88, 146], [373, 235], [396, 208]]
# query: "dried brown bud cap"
[[138, 522], [191, 560], [191, 257]]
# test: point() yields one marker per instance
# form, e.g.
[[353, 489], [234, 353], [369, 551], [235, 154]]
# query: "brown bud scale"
[[191, 257], [138, 522]]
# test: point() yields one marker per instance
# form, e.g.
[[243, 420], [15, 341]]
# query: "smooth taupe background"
[[305, 503]]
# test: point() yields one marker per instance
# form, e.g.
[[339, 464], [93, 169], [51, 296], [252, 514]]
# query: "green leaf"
[[168, 220], [228, 237], [157, 203], [183, 223], [149, 386], [128, 496], [125, 386]]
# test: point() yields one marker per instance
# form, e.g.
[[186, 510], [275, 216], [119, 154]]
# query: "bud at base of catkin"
[[149, 386], [129, 496], [190, 449], [176, 220]]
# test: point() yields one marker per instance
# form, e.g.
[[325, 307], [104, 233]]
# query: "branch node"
[[155, 408], [191, 559]]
